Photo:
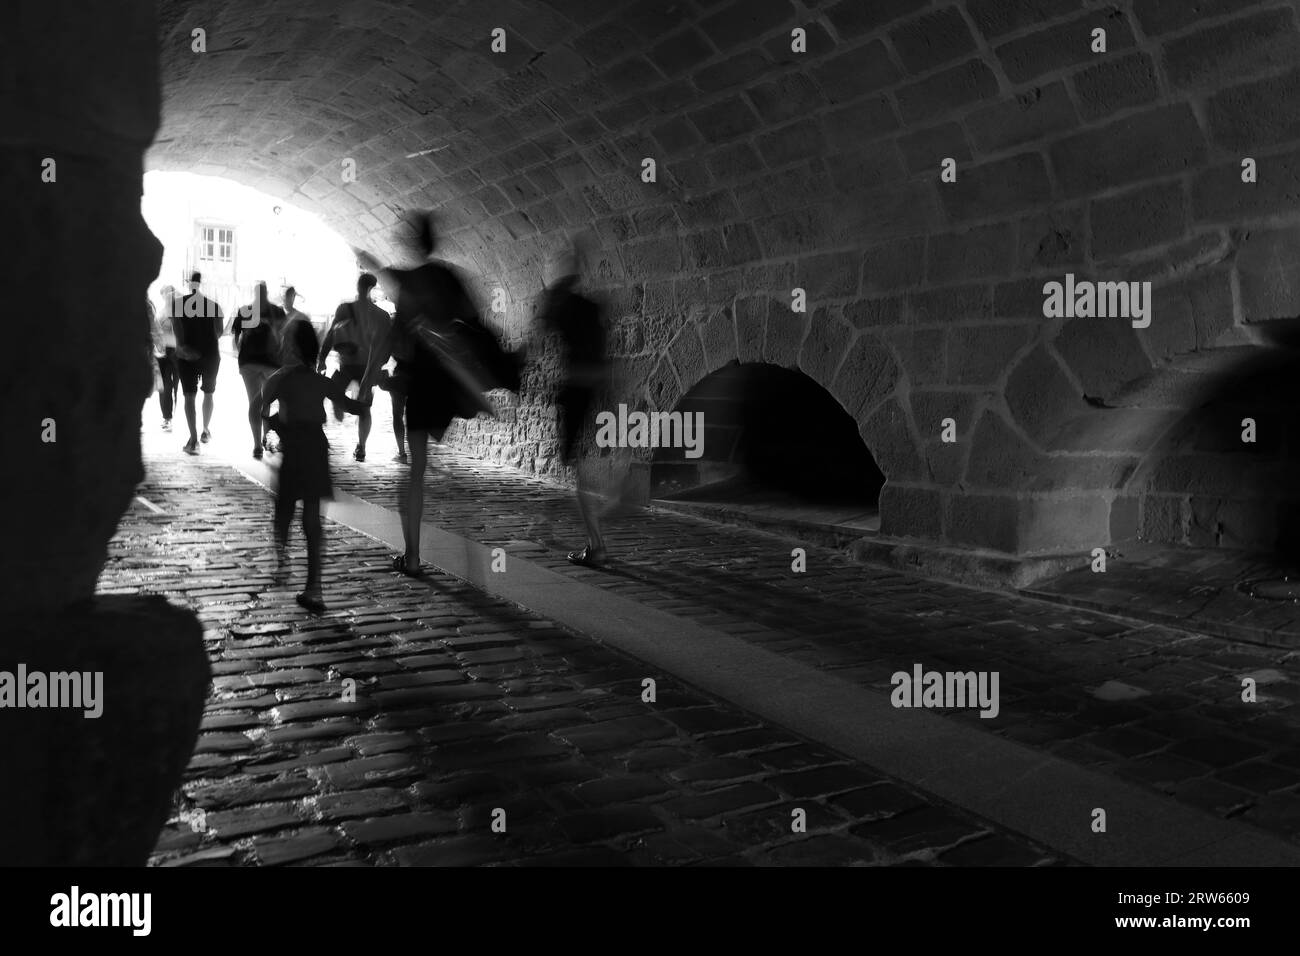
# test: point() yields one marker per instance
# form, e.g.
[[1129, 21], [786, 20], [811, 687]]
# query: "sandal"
[[312, 601], [399, 564], [588, 557]]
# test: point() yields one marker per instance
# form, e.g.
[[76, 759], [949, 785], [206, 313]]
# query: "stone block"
[[867, 376], [1032, 115], [786, 331], [1268, 265], [1040, 396], [946, 91], [1138, 219], [982, 354], [751, 325], [889, 438], [893, 265], [925, 150], [931, 40], [995, 18], [1255, 114], [1165, 141], [852, 18], [984, 252], [1055, 238], [1063, 522], [1103, 355], [922, 354], [856, 73], [1163, 519], [823, 350], [1220, 196], [983, 521], [1165, 16], [1065, 44], [999, 188], [1215, 56]]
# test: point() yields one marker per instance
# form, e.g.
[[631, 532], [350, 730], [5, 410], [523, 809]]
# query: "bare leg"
[[588, 508], [253, 386], [363, 429], [413, 510], [311, 527], [280, 528], [189, 417], [283, 517], [399, 420], [207, 410]]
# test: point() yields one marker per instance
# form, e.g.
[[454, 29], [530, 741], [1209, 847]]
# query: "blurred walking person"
[[358, 330], [164, 350], [396, 385], [304, 473], [257, 330], [575, 321], [453, 360]]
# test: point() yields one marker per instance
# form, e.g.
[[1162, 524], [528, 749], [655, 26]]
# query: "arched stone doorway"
[[777, 448]]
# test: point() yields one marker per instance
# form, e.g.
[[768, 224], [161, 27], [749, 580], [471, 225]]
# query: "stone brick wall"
[[821, 170]]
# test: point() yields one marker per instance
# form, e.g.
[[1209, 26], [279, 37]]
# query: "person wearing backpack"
[[358, 328]]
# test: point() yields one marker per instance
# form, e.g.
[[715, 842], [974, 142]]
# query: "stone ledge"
[[969, 566]]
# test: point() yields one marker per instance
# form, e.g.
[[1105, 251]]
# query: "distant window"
[[216, 244]]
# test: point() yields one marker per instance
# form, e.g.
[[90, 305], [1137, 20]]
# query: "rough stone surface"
[[780, 170]]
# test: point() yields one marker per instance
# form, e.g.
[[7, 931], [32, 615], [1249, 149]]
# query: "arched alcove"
[[776, 445]]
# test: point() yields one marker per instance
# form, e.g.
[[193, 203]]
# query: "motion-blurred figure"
[[164, 350], [257, 332], [452, 360], [358, 330], [576, 321], [304, 473]]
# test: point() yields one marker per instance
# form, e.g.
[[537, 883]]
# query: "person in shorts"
[[198, 334], [358, 329]]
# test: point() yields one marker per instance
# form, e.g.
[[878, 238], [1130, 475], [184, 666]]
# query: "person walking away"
[[291, 310], [165, 354], [198, 356], [304, 475], [257, 330], [356, 333]]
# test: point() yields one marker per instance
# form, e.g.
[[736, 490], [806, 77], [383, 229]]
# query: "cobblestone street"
[[1156, 705], [466, 704]]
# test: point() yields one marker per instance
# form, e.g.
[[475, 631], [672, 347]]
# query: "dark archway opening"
[[777, 447]]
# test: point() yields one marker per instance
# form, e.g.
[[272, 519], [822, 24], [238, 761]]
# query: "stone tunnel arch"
[[816, 171]]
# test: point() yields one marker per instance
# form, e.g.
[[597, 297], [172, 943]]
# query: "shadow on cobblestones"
[[465, 707]]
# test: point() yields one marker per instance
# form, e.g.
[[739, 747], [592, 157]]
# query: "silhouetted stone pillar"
[[79, 98]]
